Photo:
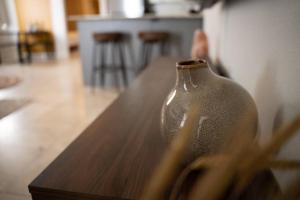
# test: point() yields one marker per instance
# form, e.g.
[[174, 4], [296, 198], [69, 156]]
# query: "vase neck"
[[192, 74]]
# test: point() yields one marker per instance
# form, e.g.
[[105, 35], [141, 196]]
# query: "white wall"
[[12, 15], [8, 22], [59, 28], [8, 15], [3, 14], [259, 42]]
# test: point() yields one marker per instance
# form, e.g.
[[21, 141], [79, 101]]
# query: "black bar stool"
[[149, 39], [102, 41]]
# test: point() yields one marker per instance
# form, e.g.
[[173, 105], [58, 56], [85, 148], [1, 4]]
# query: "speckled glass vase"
[[223, 106]]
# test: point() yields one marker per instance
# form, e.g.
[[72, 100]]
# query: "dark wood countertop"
[[116, 155]]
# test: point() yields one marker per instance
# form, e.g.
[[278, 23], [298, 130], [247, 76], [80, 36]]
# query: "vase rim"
[[192, 63]]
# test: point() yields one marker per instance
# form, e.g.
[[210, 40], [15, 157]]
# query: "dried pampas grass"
[[239, 162]]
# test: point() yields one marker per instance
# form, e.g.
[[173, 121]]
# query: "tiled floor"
[[33, 136]]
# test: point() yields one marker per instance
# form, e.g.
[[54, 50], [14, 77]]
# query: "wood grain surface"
[[116, 155]]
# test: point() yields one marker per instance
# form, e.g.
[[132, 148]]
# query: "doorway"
[[78, 8]]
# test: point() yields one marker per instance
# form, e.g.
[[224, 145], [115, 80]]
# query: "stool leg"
[[94, 67], [122, 64], [48, 50], [114, 56], [29, 55], [19, 50], [148, 54], [142, 56], [103, 67], [162, 48]]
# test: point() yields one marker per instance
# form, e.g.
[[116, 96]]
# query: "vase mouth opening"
[[191, 64]]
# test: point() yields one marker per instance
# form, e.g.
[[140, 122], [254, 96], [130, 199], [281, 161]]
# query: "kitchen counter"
[[116, 17], [180, 28]]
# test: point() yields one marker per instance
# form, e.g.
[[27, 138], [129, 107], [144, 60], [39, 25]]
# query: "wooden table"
[[116, 155]]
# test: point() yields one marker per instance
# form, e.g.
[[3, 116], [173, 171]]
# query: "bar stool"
[[102, 41], [149, 39]]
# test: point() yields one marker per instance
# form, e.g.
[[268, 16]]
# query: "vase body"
[[222, 103]]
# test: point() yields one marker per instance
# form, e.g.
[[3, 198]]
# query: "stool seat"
[[153, 36], [107, 36]]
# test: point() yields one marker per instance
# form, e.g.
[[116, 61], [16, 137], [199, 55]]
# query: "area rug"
[[8, 81], [8, 106]]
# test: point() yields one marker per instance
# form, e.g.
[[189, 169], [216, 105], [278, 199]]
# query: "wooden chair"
[[38, 41]]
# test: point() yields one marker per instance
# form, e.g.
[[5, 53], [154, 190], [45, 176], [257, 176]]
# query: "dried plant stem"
[[168, 169], [284, 164], [207, 162], [204, 162], [240, 158], [180, 180], [255, 162], [280, 138], [215, 181]]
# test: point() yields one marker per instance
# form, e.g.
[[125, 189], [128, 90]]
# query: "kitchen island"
[[181, 30]]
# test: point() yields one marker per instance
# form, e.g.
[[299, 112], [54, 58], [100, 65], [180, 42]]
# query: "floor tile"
[[60, 109]]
